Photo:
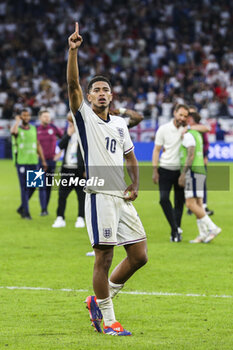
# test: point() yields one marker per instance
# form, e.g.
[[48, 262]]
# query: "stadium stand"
[[156, 53]]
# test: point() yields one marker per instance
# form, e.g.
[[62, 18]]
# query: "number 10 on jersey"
[[110, 144]]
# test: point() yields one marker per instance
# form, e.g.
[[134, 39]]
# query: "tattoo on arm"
[[189, 159]]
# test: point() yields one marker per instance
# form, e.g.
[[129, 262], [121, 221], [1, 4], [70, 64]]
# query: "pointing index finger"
[[76, 28]]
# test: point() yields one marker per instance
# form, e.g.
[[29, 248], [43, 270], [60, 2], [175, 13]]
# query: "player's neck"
[[25, 125], [102, 113]]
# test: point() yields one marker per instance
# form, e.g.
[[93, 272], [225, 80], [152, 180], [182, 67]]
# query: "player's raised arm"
[[74, 88], [198, 127], [134, 117], [15, 127]]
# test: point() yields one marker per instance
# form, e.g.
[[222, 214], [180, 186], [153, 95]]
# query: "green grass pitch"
[[32, 254]]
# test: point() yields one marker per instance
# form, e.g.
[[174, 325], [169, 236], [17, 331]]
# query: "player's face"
[[181, 117], [190, 121], [25, 116], [45, 118], [100, 95]]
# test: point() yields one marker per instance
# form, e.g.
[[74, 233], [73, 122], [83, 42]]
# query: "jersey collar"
[[105, 121]]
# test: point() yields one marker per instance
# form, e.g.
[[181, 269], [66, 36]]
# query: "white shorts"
[[111, 220], [194, 185]]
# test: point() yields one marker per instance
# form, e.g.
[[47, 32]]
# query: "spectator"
[[220, 133], [172, 55]]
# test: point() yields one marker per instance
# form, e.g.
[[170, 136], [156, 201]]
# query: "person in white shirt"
[[73, 172], [111, 218], [166, 170]]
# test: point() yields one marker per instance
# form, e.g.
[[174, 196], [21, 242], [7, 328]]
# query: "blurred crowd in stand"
[[156, 53]]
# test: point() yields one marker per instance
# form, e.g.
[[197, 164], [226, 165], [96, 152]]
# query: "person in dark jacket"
[[72, 172]]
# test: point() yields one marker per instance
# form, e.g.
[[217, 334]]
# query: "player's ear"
[[88, 98]]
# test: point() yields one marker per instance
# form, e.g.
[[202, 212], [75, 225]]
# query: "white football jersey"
[[103, 145]]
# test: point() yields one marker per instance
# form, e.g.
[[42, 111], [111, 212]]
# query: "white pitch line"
[[42, 288], [165, 294]]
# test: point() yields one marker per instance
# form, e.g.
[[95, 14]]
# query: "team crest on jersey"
[[121, 133], [107, 232]]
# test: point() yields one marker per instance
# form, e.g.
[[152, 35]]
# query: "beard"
[[102, 107], [180, 123]]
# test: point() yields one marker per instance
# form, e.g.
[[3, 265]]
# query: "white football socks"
[[208, 222], [202, 229], [114, 288], [106, 307]]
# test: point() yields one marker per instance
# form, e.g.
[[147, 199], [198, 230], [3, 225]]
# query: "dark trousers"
[[64, 192], [45, 192], [26, 192], [167, 180], [205, 189]]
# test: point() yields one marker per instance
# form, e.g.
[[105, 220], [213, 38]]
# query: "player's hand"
[[184, 131], [18, 119], [75, 40], [114, 112], [118, 111], [44, 165], [58, 155], [131, 193], [155, 176], [181, 180]]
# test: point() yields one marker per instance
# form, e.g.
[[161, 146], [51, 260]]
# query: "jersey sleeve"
[[159, 140], [127, 120], [188, 140], [128, 144]]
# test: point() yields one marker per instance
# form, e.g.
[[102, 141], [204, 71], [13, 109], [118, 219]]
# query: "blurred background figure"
[[47, 134], [25, 150], [193, 109], [220, 133], [72, 167]]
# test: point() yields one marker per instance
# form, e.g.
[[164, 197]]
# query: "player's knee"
[[189, 204], [140, 260], [143, 259], [163, 200]]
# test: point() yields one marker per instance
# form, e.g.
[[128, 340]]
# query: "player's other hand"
[[114, 112], [185, 129], [18, 119], [75, 40], [44, 165], [181, 180], [155, 176], [131, 193]]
